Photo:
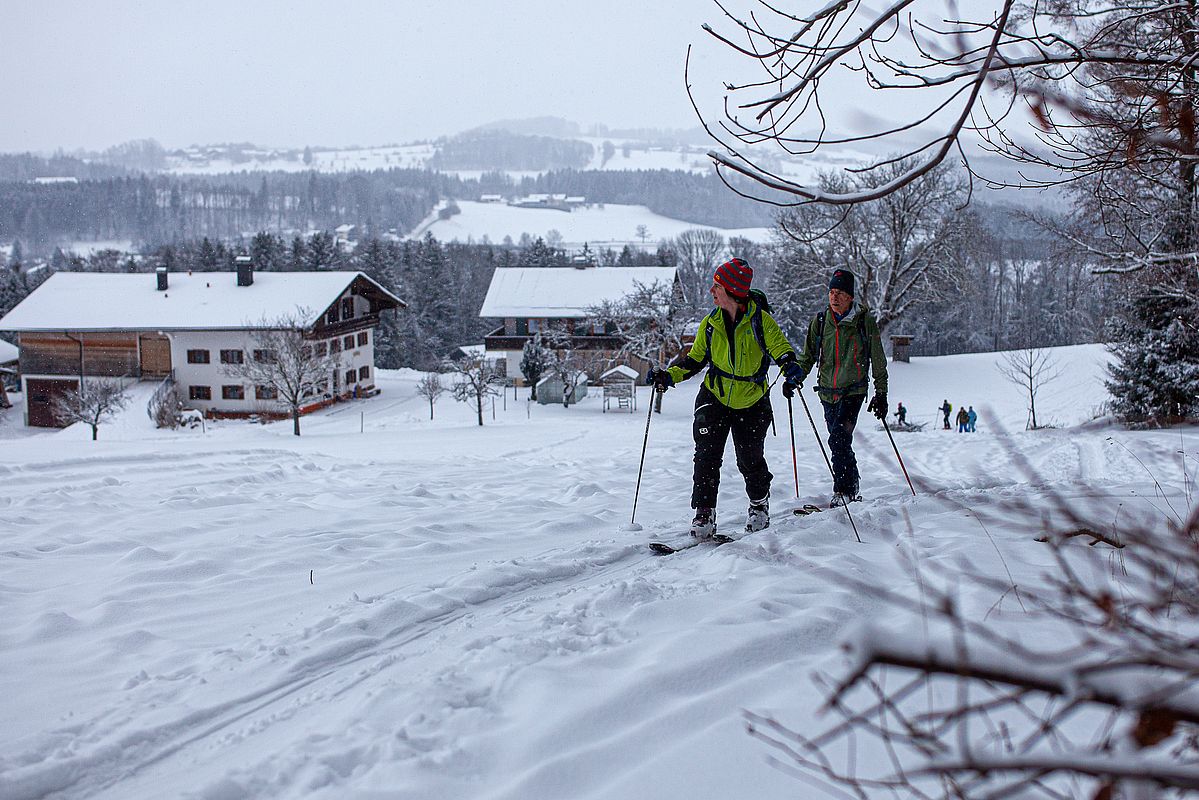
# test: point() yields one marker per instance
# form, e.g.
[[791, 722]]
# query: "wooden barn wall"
[[109, 354]]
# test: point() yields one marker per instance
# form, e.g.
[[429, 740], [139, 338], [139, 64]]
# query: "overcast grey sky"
[[316, 72]]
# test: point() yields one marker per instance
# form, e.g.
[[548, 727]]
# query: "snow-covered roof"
[[8, 352], [94, 301], [563, 292], [620, 371]]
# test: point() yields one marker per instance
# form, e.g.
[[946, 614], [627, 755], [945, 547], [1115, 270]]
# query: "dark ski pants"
[[841, 418], [713, 422]]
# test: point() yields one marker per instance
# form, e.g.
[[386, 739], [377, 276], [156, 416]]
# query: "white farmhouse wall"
[[214, 374]]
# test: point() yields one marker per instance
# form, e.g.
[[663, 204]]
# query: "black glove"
[[878, 405], [660, 379], [794, 375]]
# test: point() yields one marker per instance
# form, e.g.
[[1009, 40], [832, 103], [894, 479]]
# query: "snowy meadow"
[[393, 606]]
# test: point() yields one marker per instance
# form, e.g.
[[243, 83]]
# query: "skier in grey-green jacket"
[[844, 341]]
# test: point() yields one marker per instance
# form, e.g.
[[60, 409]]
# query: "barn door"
[[40, 400]]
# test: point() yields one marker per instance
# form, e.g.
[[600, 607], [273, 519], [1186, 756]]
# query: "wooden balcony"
[[361, 323], [498, 340]]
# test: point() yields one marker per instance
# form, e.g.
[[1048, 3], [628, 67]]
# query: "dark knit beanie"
[[735, 276], [842, 279]]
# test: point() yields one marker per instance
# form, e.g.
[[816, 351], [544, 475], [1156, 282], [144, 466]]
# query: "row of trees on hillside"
[[162, 209], [151, 211]]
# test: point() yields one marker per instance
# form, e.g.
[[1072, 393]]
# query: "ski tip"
[[720, 538], [662, 549]]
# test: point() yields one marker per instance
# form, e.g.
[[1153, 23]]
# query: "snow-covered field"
[[599, 226], [393, 607]]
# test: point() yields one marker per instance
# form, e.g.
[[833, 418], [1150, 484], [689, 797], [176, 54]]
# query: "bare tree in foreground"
[[430, 388], [95, 400], [1083, 87], [285, 365], [1083, 687], [475, 382], [1030, 368]]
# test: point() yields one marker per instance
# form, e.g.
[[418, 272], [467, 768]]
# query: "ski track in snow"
[[462, 635]]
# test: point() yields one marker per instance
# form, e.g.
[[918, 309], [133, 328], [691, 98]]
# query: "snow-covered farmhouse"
[[190, 328], [532, 299]]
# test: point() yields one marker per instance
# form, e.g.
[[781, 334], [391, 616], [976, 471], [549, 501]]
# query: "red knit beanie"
[[735, 276]]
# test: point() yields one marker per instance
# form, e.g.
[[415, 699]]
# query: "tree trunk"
[[95, 431], [430, 409], [479, 408], [295, 421]]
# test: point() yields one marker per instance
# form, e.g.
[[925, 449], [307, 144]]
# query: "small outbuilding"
[[8, 369], [620, 387], [551, 389], [900, 347]]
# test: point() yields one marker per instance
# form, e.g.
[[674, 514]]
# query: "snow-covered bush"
[[166, 406]]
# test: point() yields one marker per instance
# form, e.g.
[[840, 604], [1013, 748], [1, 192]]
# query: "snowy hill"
[[393, 606], [599, 226]]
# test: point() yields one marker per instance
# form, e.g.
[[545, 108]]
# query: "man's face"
[[839, 301]]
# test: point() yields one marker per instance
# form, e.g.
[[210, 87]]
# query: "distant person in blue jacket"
[[971, 418]]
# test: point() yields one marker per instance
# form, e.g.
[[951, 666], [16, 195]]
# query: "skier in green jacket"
[[844, 341], [736, 342]]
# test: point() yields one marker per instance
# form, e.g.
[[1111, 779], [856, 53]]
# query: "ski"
[[716, 539], [664, 549]]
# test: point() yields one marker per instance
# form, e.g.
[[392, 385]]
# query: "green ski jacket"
[[847, 351], [737, 363]]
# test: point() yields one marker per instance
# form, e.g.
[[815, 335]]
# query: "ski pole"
[[644, 444], [901, 466], [773, 431], [812, 422], [794, 460]]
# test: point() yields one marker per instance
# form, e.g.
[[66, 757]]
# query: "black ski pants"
[[713, 423], [841, 418]]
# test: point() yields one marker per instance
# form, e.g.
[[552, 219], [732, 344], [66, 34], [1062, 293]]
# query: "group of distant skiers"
[[735, 343], [965, 418]]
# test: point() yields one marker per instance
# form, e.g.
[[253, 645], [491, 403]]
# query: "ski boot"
[[704, 524], [844, 499], [758, 516]]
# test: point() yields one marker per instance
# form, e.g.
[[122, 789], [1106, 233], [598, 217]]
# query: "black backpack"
[[755, 324]]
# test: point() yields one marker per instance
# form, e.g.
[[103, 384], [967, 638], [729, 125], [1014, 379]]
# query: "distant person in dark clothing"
[[963, 419], [902, 414], [945, 409]]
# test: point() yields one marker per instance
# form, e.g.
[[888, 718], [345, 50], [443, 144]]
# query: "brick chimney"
[[245, 270], [161, 272]]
